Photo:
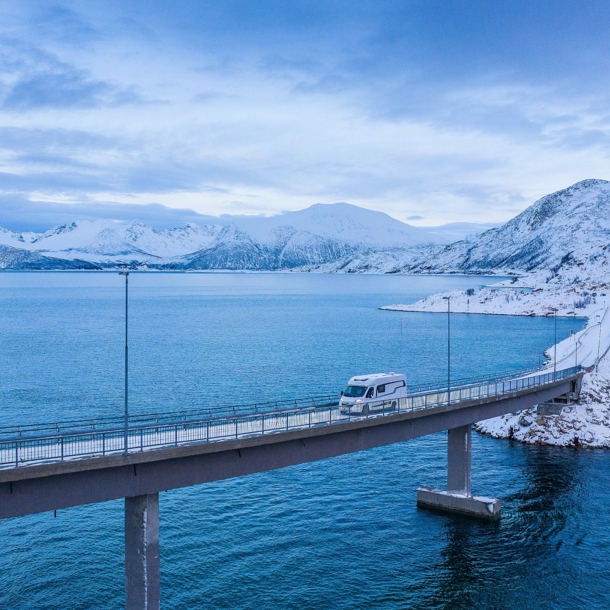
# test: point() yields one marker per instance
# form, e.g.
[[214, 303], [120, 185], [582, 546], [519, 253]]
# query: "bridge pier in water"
[[457, 498], [142, 566]]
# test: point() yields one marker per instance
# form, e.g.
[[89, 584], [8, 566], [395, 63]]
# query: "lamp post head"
[[123, 272], [446, 298]]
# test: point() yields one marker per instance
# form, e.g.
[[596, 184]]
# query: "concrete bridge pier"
[[457, 497], [142, 566]]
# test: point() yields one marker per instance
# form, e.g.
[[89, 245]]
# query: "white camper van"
[[376, 393]]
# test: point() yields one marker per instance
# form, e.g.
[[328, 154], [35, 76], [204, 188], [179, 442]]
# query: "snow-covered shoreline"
[[585, 424]]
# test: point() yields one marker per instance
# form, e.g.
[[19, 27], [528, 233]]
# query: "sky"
[[431, 111]]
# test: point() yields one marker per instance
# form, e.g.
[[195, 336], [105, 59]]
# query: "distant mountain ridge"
[[319, 234], [566, 230]]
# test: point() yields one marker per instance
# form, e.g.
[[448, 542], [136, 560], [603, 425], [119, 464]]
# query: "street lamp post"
[[555, 346], [448, 299], [126, 449], [599, 340], [575, 336]]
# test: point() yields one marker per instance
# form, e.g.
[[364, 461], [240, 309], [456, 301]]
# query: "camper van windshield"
[[354, 391]]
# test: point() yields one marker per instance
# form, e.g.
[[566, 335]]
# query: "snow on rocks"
[[586, 424]]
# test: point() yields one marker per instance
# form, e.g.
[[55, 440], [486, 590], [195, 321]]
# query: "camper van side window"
[[369, 394], [380, 389]]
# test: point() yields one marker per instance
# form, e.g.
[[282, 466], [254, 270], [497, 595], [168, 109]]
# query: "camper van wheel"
[[393, 405]]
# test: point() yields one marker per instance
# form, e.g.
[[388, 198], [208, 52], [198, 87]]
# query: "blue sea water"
[[340, 533]]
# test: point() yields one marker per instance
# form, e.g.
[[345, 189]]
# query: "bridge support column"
[[459, 459], [458, 498], [142, 566]]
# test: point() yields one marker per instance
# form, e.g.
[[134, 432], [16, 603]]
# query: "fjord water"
[[340, 533]]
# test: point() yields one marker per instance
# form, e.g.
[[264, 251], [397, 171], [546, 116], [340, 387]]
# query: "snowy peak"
[[170, 242], [566, 229], [580, 202], [342, 222], [108, 242], [60, 230]]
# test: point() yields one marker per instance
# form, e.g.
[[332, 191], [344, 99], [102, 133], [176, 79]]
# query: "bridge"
[[51, 467]]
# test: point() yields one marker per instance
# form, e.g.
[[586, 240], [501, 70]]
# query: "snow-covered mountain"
[[342, 223], [566, 232], [104, 239], [317, 235], [568, 229]]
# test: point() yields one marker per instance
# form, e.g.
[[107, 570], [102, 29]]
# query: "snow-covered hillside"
[[567, 233], [564, 230], [315, 236]]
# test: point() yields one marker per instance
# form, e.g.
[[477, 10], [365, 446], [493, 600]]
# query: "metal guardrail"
[[139, 419], [470, 381], [65, 446]]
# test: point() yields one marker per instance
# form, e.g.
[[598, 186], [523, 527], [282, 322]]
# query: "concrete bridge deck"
[[52, 472]]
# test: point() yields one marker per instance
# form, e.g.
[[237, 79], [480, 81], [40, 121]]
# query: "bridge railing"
[[73, 426], [495, 388], [474, 380], [19, 452], [139, 419]]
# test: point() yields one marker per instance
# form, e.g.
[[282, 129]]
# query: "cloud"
[[441, 108], [63, 90], [37, 79], [415, 217], [18, 213], [64, 24]]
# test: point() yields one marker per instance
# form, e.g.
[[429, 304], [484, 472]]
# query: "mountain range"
[[566, 230], [317, 235]]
